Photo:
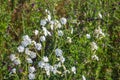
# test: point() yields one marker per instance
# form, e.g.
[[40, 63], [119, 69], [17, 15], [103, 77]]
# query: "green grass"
[[17, 21]]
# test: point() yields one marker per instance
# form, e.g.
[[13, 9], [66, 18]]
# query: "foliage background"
[[19, 17]]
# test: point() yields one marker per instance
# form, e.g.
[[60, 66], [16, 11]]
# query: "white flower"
[[47, 68], [27, 51], [33, 42], [45, 59], [20, 48], [46, 32], [54, 69], [48, 72], [95, 57], [69, 40], [38, 46], [17, 61], [57, 24], [48, 18], [88, 36], [59, 64], [43, 22], [41, 64], [26, 41], [13, 71], [31, 76], [98, 32], [58, 52], [42, 38], [12, 57], [55, 66], [29, 60], [71, 30], [26, 37], [63, 20], [51, 25], [47, 11], [73, 69], [100, 15], [94, 46], [33, 55], [60, 33], [83, 77], [36, 32], [31, 69], [62, 59]]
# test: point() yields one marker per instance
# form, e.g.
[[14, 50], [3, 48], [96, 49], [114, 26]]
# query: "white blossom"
[[69, 40], [57, 24], [27, 51], [95, 57], [41, 64], [48, 72], [54, 69], [31, 76], [45, 59], [62, 59], [47, 11], [58, 52], [48, 18], [100, 15], [73, 69], [36, 32], [43, 22], [38, 46], [98, 32], [33, 55], [29, 60], [12, 57], [26, 37], [47, 68], [26, 41], [94, 46], [46, 32], [31, 69], [52, 25], [42, 38], [13, 71], [88, 36], [59, 64], [20, 48], [63, 20], [71, 30], [60, 33], [83, 77], [33, 42], [17, 61]]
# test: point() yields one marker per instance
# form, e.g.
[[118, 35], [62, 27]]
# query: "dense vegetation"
[[81, 37]]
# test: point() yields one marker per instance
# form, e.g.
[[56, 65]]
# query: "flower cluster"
[[15, 59], [31, 74], [94, 47], [98, 33], [32, 49]]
